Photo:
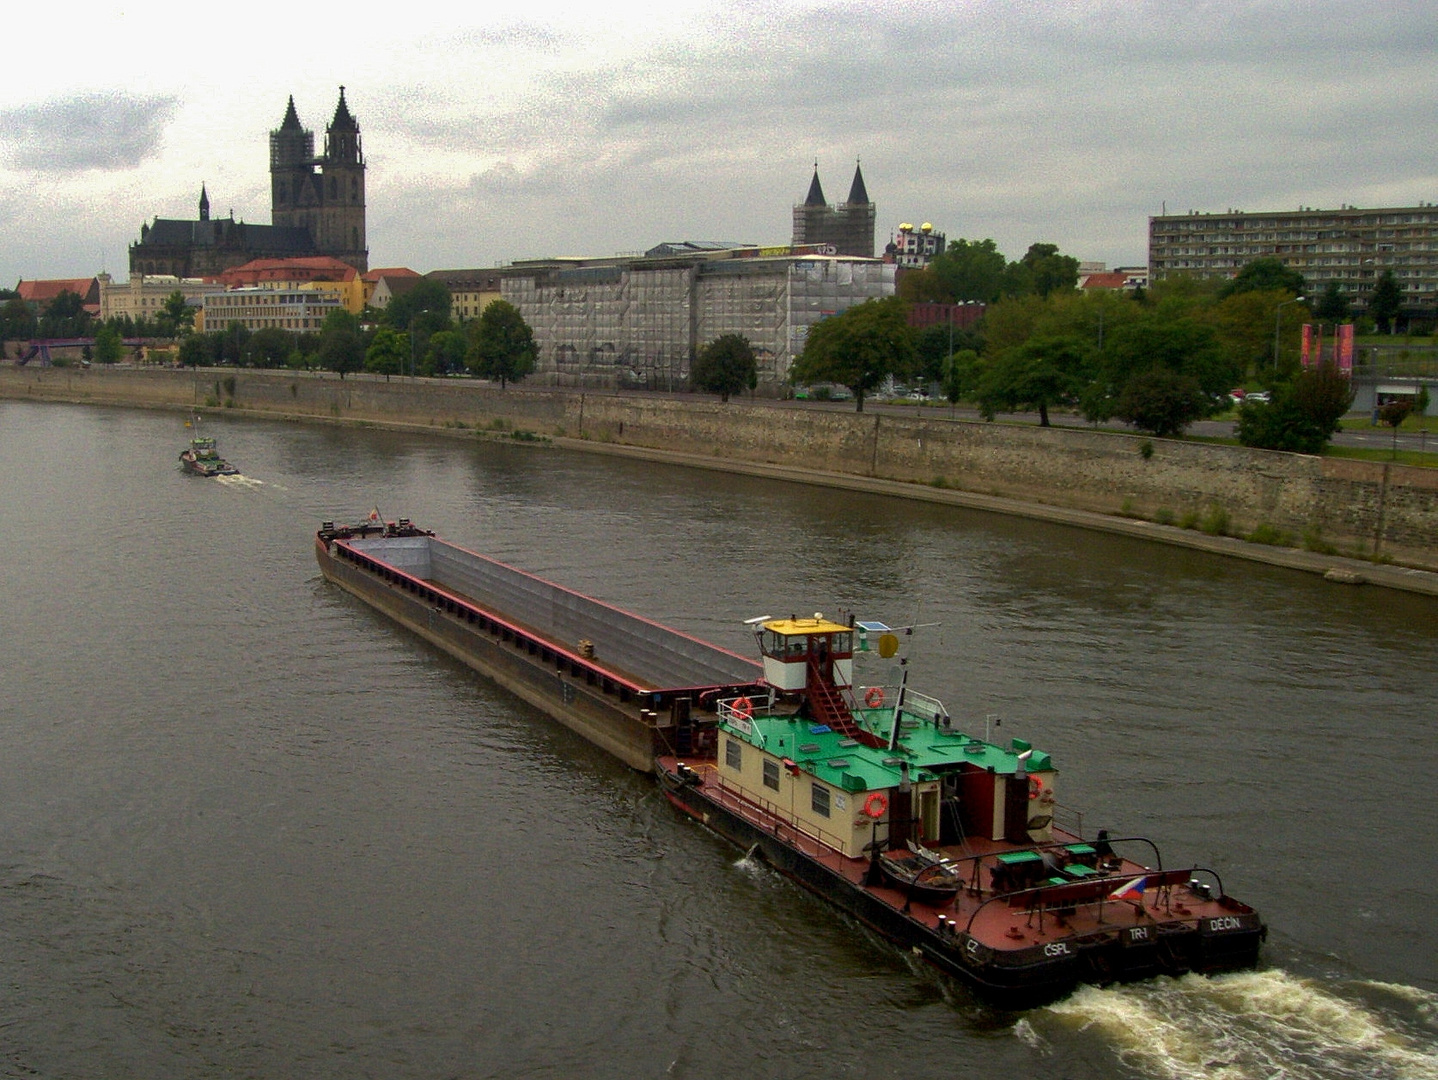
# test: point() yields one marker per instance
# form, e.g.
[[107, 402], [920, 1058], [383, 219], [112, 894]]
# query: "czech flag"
[[1131, 890]]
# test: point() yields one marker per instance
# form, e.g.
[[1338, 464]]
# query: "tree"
[[17, 321], [175, 315], [968, 270], [725, 366], [425, 296], [858, 348], [1303, 414], [1267, 274], [1182, 344], [65, 317], [503, 346], [387, 352], [108, 346], [1043, 270], [445, 352], [1324, 395], [1393, 414], [1036, 375], [341, 348], [1385, 302], [269, 347], [194, 350], [232, 343], [1161, 402], [1333, 306]]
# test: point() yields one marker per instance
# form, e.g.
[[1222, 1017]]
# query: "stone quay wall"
[[1362, 507]]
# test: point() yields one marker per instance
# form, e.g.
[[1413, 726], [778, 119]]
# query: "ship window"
[[734, 754], [819, 799], [771, 773]]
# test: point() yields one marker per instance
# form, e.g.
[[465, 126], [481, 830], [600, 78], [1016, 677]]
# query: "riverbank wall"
[[1375, 511]]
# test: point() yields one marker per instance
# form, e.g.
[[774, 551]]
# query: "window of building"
[[734, 754], [819, 799], [771, 773]]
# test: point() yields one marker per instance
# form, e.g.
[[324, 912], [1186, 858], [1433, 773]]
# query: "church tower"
[[342, 227], [848, 226], [323, 194]]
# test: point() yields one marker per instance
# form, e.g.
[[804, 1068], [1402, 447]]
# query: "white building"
[[298, 310], [641, 321]]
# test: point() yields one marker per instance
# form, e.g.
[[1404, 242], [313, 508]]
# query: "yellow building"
[[470, 291], [144, 295]]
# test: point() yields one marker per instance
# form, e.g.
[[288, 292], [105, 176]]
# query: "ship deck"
[[1032, 904], [645, 655]]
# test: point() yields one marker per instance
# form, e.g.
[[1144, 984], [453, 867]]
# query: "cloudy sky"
[[498, 132]]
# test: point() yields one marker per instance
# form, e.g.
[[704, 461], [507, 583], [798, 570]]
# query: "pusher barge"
[[867, 794]]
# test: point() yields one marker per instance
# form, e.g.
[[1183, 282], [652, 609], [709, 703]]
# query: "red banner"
[[1344, 347], [1308, 336]]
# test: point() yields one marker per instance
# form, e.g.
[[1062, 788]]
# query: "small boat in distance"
[[202, 458]]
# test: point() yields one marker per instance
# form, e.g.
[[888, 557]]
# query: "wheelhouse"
[[798, 652]]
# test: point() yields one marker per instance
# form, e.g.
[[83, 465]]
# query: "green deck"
[[845, 763]]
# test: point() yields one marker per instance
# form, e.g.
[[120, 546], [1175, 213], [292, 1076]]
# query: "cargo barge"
[[865, 792], [625, 683]]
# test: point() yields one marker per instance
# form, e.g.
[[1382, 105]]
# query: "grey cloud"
[[109, 132]]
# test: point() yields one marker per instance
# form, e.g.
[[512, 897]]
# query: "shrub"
[[1215, 521], [1313, 541], [1271, 535], [1163, 515]]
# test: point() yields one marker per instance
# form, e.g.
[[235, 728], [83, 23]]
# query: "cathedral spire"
[[291, 121], [816, 193], [858, 194], [204, 203], [343, 121]]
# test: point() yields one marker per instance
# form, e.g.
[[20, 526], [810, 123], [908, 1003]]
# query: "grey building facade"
[[1349, 246], [640, 321]]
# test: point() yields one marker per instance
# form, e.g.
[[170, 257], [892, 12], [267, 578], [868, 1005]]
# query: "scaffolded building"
[[641, 321]]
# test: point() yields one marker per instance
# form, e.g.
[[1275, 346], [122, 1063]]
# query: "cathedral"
[[848, 226], [317, 207]]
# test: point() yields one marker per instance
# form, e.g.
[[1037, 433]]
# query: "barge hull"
[[1003, 981], [620, 712]]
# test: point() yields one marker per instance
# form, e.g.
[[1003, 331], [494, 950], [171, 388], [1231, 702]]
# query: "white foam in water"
[[1256, 1025]]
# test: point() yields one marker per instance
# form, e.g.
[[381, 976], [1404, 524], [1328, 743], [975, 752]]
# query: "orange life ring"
[[874, 696], [1036, 787], [743, 708], [876, 804]]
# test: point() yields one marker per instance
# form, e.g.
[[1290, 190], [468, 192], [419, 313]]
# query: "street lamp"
[[1277, 322]]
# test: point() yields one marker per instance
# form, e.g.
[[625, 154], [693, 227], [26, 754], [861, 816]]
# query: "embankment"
[[1119, 482]]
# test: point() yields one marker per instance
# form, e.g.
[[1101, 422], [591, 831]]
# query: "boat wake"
[[1259, 1024], [240, 480]]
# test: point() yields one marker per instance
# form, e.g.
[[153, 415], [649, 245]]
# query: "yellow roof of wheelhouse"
[[795, 627]]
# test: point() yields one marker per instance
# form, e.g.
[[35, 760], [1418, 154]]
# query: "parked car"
[[1259, 397]]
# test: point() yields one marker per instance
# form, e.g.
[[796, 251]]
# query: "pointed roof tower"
[[816, 193], [343, 121], [858, 194], [204, 203], [291, 121]]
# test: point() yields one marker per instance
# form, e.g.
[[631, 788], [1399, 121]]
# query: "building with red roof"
[[39, 293]]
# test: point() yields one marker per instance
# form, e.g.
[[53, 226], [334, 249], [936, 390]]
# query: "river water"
[[250, 828]]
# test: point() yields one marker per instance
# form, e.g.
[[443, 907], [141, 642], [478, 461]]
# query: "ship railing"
[[738, 712], [1065, 899], [770, 816], [1101, 853], [1067, 819]]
